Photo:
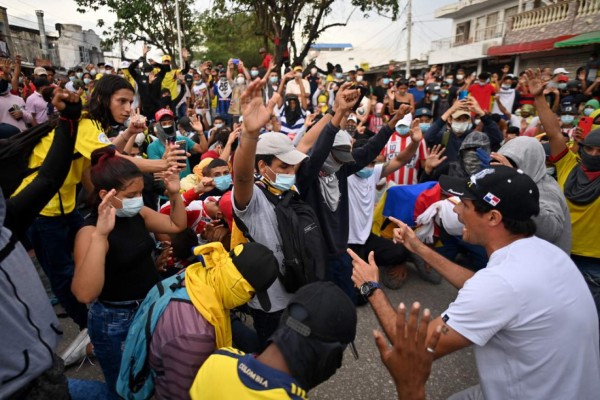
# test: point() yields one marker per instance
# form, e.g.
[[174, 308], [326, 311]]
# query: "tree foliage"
[[279, 19], [230, 36], [153, 22]]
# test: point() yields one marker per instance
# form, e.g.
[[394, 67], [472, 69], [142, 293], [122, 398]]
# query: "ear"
[[102, 193], [494, 218], [261, 166]]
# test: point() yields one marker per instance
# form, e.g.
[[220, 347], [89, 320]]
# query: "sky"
[[373, 31]]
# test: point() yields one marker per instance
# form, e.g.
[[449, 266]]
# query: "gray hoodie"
[[28, 324], [554, 221]]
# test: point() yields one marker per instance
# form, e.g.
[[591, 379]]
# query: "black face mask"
[[591, 163], [165, 102]]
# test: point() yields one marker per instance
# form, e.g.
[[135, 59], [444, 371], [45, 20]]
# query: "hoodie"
[[29, 327], [554, 221]]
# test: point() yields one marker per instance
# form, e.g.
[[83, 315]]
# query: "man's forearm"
[[453, 273], [384, 312]]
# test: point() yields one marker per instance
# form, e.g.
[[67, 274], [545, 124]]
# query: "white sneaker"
[[77, 350]]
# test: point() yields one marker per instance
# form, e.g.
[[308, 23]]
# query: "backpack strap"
[[242, 227], [8, 247], [445, 138]]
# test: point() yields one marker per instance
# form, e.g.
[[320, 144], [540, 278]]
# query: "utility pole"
[[409, 28], [178, 33]]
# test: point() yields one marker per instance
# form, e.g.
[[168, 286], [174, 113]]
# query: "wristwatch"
[[367, 288]]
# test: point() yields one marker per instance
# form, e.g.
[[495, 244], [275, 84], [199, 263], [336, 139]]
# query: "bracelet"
[[250, 137]]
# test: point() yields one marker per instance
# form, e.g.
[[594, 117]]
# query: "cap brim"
[[263, 300], [343, 156], [456, 187], [292, 157]]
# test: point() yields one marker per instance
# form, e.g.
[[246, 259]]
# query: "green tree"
[[230, 36], [279, 19], [152, 22]]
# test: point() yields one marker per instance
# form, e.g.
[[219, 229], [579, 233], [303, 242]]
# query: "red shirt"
[[266, 61], [483, 95]]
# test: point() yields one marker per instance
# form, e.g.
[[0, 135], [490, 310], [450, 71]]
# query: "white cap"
[[69, 86], [124, 64], [279, 145], [560, 71], [352, 117], [108, 65], [40, 71], [406, 121]]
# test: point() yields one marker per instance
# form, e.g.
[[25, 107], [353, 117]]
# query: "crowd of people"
[[169, 206]]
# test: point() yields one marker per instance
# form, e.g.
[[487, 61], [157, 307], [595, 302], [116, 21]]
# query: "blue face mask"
[[254, 73], [223, 182], [131, 207], [274, 79], [283, 182], [339, 75], [386, 81], [365, 173], [86, 80], [424, 126], [588, 111], [72, 78], [402, 130], [567, 119]]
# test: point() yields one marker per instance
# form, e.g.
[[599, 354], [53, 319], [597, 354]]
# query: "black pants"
[[386, 252]]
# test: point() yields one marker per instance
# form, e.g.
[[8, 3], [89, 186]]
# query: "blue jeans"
[[53, 239], [452, 245], [590, 269], [108, 327], [339, 271], [182, 111]]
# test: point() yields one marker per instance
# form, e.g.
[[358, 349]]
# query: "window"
[[462, 33]]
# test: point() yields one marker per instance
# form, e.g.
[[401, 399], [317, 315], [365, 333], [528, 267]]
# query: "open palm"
[[255, 113]]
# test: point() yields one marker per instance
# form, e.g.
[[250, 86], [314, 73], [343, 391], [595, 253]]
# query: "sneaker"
[[394, 277], [424, 271], [77, 350]]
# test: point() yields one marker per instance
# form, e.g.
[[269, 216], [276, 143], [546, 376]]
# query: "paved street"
[[366, 378]]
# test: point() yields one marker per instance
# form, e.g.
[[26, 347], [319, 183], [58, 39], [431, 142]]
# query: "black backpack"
[[304, 251], [14, 156]]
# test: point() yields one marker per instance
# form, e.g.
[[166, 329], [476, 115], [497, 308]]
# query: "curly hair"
[[99, 105]]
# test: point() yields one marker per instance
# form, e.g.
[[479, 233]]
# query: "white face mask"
[[240, 80], [130, 207], [93, 72], [433, 97], [359, 78], [102, 70], [449, 81], [460, 77], [460, 127], [218, 126]]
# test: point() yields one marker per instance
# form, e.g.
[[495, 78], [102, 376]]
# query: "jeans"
[[590, 269], [339, 271], [108, 327], [182, 111], [244, 337], [265, 324], [452, 245], [53, 239]]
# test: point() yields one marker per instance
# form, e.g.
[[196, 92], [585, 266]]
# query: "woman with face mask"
[[114, 269]]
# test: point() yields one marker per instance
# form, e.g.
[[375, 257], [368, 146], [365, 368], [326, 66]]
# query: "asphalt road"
[[365, 378]]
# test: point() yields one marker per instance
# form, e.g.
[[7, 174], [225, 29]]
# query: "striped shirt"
[[291, 130], [408, 174]]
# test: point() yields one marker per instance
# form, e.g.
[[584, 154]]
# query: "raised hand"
[[434, 158], [411, 355], [185, 53], [534, 82], [499, 159], [415, 131], [474, 106], [68, 103], [106, 215], [256, 114], [361, 271], [403, 110], [171, 180], [346, 97], [137, 122], [405, 235], [174, 156], [196, 124]]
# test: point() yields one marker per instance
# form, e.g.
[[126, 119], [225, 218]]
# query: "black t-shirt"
[[380, 93], [129, 271]]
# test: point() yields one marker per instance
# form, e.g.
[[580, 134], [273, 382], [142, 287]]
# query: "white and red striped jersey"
[[197, 217], [406, 175]]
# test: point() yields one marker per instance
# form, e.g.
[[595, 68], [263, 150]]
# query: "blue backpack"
[[136, 378]]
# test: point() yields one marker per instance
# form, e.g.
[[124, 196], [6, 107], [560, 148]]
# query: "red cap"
[[227, 208], [162, 112], [211, 154]]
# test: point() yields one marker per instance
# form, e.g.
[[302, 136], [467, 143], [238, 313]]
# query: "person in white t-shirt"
[[361, 194], [529, 313]]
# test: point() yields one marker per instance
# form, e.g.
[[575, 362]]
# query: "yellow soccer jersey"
[[230, 374]]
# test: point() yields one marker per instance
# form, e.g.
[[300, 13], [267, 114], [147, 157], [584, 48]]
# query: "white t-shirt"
[[361, 194], [293, 88], [259, 217], [534, 324]]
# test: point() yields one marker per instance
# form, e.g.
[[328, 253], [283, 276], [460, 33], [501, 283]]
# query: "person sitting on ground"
[[306, 350]]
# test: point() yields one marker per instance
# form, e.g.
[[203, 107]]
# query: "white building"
[[77, 47]]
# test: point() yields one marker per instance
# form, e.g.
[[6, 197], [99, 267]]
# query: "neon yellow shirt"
[[89, 138], [229, 374], [584, 218]]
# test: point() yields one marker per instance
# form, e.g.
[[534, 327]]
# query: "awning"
[[528, 47], [580, 40]]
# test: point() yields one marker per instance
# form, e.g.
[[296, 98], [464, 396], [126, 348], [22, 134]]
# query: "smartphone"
[[171, 139], [236, 61], [181, 144], [463, 94], [585, 124]]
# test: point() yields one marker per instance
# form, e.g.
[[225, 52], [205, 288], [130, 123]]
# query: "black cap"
[[506, 189], [432, 88], [568, 109], [258, 266], [321, 310], [423, 111]]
